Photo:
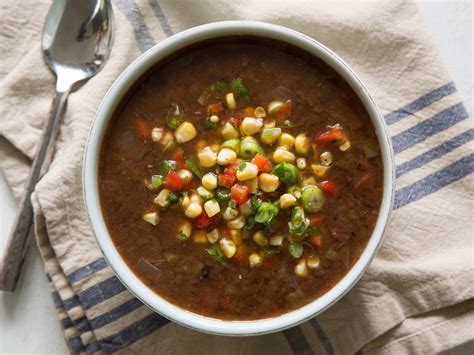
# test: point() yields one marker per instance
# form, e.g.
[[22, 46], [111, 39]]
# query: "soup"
[[240, 178]]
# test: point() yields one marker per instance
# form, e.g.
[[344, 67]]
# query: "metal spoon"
[[77, 38]]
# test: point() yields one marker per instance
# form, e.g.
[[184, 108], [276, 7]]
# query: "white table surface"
[[28, 322]]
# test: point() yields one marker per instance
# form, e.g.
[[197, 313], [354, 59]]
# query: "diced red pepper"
[[174, 181], [328, 187], [203, 220], [236, 120], [226, 180], [215, 109], [316, 219], [144, 129], [239, 193], [263, 163], [179, 158], [231, 169], [316, 240], [335, 135]]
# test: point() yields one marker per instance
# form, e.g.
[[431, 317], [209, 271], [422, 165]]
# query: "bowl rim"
[[91, 195]]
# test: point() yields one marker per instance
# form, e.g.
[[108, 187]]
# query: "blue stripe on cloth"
[[87, 270], [435, 181], [127, 335], [115, 313], [66, 323], [142, 35], [322, 336], [100, 292], [429, 127], [435, 153], [75, 345], [161, 17], [420, 103], [297, 341]]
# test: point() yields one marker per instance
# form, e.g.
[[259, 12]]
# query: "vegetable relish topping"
[[266, 178]]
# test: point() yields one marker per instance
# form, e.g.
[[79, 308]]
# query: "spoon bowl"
[[77, 38]]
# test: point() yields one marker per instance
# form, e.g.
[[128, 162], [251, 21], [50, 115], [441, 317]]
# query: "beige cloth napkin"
[[416, 296]]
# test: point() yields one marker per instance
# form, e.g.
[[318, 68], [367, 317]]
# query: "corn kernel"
[[185, 201], [185, 132], [345, 146], [274, 106], [246, 208], [212, 208], [255, 260], [230, 99], [301, 269], [268, 182], [281, 155], [152, 218], [209, 181], [252, 185], [270, 135], [302, 144], [260, 112], [270, 124], [236, 223], [229, 131], [193, 210], [260, 239], [287, 200], [204, 193], [157, 134], [326, 158], [226, 156], [230, 213], [195, 198], [228, 247], [162, 198], [185, 175], [214, 119], [319, 170], [207, 158], [313, 262], [213, 236], [184, 230], [251, 125], [301, 163], [286, 140], [246, 171], [200, 236], [275, 240], [236, 236], [310, 181]]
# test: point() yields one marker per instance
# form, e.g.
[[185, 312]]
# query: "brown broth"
[[191, 279]]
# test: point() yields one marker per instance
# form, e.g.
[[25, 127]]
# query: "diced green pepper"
[[249, 147], [155, 182], [287, 173], [312, 198]]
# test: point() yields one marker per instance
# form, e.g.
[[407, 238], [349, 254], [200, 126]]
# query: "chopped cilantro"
[[172, 198], [216, 252], [238, 88], [242, 166]]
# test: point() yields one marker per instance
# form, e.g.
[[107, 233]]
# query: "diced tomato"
[[144, 129], [335, 135], [239, 194], [215, 109], [173, 181], [203, 220], [328, 187], [263, 163], [316, 219], [248, 112], [316, 240], [284, 111], [236, 120], [226, 180], [179, 158], [231, 169]]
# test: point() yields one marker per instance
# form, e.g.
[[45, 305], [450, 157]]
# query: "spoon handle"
[[17, 244]]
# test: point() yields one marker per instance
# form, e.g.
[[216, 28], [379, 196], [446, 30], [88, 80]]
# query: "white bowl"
[[91, 193]]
